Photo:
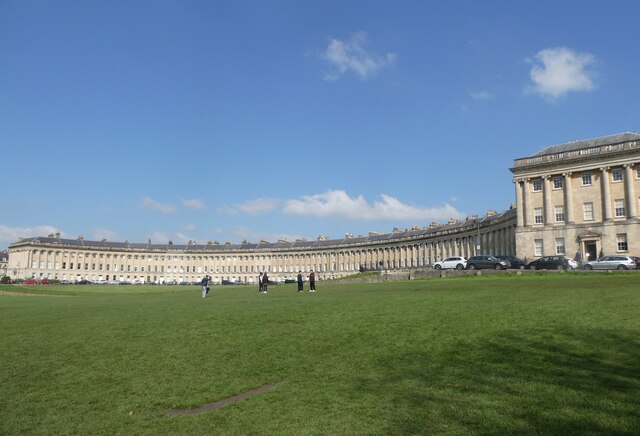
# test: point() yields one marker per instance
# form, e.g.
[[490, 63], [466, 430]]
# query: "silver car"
[[611, 262]]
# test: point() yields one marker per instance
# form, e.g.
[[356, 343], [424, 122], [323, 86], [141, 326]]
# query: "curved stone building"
[[52, 257], [579, 199]]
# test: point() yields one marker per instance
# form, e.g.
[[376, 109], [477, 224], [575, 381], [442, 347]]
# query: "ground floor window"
[[559, 245], [621, 239], [537, 247]]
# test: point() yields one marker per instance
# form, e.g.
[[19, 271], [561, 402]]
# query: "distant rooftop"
[[451, 227], [589, 143]]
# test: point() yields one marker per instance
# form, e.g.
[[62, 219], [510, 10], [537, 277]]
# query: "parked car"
[[487, 262], [553, 262], [30, 282], [637, 261], [516, 262], [611, 262], [453, 262]]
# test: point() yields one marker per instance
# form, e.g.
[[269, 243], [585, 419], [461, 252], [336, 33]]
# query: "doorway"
[[590, 250]]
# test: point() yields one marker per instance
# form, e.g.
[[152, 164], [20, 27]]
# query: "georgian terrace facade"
[[53, 257], [580, 199]]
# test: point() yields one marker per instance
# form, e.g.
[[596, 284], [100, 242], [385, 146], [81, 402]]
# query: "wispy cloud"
[[350, 55], [245, 233], [9, 235], [164, 238], [257, 206], [339, 204], [560, 70], [101, 233], [149, 203], [195, 203], [480, 95]]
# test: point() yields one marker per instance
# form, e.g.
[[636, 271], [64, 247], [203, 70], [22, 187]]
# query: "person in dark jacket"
[[300, 281], [312, 281], [265, 283]]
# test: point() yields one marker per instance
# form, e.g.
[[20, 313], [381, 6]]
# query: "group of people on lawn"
[[263, 283]]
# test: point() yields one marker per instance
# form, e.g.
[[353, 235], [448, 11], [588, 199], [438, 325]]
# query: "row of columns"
[[489, 240], [523, 197]]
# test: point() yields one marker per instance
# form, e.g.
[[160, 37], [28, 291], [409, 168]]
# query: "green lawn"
[[540, 354]]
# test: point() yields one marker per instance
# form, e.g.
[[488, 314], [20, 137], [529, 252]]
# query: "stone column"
[[606, 194], [548, 209], [526, 201], [519, 205], [629, 191], [568, 198]]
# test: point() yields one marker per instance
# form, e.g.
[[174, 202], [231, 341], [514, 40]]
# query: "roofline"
[[468, 224]]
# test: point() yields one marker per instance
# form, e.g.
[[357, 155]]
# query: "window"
[[559, 214], [638, 171], [537, 247], [537, 215], [537, 185], [557, 183], [616, 174], [618, 205], [559, 245], [587, 209], [586, 179], [621, 239]]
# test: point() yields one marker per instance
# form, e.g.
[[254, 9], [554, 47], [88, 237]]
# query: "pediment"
[[590, 234]]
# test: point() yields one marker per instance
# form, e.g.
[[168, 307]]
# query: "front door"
[[590, 251]]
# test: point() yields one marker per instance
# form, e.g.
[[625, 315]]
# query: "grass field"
[[539, 354]]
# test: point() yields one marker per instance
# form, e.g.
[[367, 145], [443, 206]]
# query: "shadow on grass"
[[568, 382]]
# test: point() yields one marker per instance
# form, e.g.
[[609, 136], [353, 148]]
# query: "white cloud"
[[338, 204], [350, 55], [9, 235], [149, 203], [557, 71], [190, 227], [194, 203]]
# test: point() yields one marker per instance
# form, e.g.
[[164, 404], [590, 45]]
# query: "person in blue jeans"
[[205, 286]]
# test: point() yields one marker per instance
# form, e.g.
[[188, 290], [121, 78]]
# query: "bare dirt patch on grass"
[[218, 404]]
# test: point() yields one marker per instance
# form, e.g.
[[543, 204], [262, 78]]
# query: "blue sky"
[[212, 120]]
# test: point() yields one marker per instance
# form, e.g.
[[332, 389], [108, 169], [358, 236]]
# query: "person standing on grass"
[[300, 285], [260, 283], [312, 281], [265, 283], [205, 286]]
